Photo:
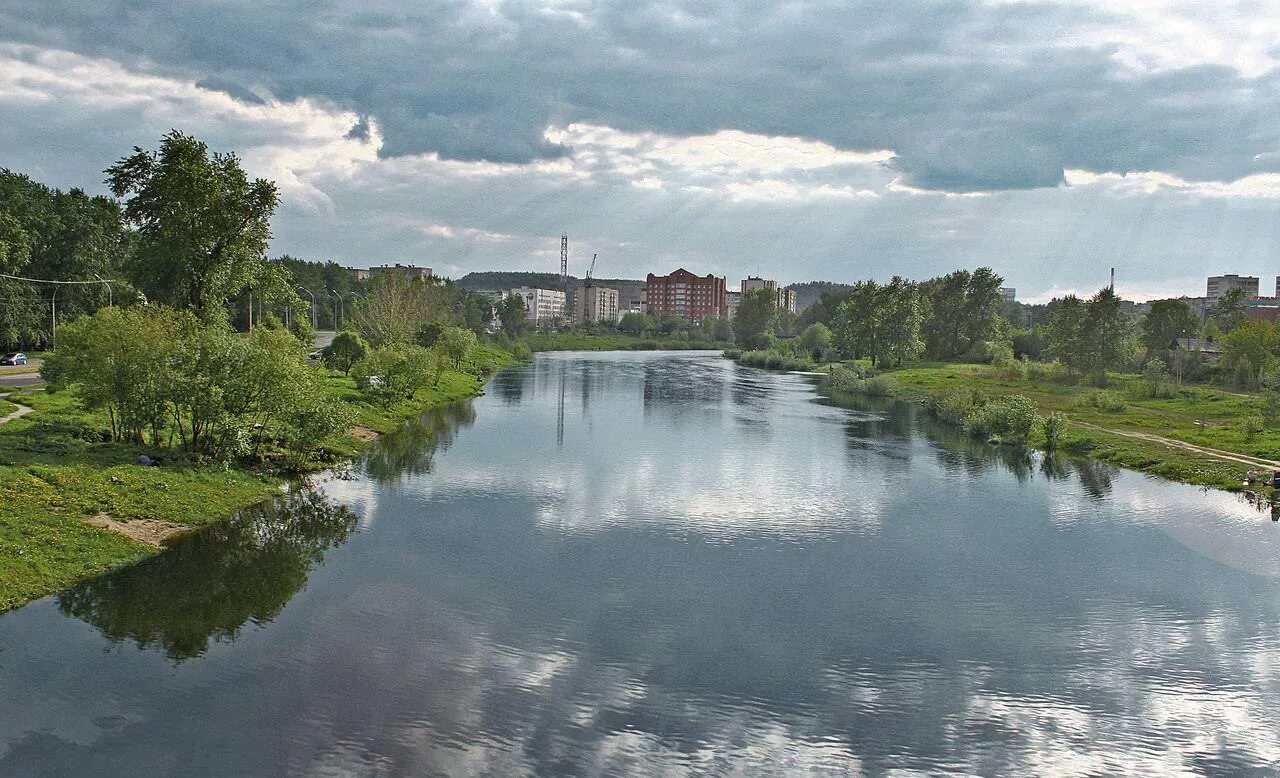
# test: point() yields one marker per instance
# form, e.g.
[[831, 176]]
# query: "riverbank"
[[1196, 434], [67, 498]]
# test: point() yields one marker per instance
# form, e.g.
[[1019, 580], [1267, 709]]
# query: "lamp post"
[[314, 321], [337, 323]]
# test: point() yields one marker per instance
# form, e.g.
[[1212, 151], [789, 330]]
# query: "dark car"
[[14, 358]]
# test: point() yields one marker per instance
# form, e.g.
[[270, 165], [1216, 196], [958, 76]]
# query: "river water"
[[663, 563]]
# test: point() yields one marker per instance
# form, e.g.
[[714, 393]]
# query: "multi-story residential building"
[[732, 300], [686, 295], [412, 272], [593, 304], [1217, 286], [786, 299], [752, 283], [1008, 294], [542, 307]]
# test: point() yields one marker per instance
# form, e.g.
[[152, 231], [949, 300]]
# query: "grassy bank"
[[610, 341], [56, 473], [1113, 424]]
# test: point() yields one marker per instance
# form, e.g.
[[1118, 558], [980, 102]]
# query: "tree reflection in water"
[[210, 585], [410, 449], [956, 448]]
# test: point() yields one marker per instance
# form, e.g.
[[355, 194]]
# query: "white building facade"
[[596, 304], [542, 307]]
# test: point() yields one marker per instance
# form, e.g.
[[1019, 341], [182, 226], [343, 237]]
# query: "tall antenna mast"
[[564, 262], [1113, 279]]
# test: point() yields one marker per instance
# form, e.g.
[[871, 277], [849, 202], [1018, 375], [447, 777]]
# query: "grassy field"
[[56, 472], [1197, 415], [608, 341]]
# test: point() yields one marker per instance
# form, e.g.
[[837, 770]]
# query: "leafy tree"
[[902, 315], [718, 328], [395, 309], [816, 339], [964, 309], [856, 325], [669, 323], [454, 345], [635, 323], [1228, 311], [511, 314], [1248, 350], [1156, 376], [1167, 321], [202, 225], [347, 349], [1108, 335], [755, 317]]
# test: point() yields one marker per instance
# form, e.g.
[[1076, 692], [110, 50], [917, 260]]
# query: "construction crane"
[[592, 269]]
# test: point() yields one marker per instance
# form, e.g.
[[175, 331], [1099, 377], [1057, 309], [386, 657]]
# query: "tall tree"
[[856, 325], [1167, 321], [1228, 311], [902, 314], [202, 224], [755, 317]]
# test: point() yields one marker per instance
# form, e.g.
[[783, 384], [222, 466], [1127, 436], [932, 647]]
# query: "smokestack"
[[1113, 280]]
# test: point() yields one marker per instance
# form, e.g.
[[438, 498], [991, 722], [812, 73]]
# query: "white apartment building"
[[542, 307]]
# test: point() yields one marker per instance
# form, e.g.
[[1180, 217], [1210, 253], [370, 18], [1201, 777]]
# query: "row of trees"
[[166, 378]]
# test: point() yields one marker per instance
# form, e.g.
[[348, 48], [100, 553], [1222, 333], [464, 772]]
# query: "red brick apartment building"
[[684, 294]]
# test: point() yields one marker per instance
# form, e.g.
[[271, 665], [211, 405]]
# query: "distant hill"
[[808, 292], [508, 279]]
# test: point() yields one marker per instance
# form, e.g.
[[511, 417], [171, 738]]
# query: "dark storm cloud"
[[970, 96]]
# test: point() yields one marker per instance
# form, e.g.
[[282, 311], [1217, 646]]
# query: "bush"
[[1103, 401], [879, 386], [733, 353], [1054, 427], [1010, 418], [1253, 427]]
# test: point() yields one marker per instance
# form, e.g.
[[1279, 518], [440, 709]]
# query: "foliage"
[[964, 310], [1249, 350], [755, 317], [1228, 311], [1092, 337], [1011, 418], [454, 345], [1054, 427], [512, 316], [347, 349], [391, 373], [395, 308], [1167, 321], [57, 235], [636, 323], [160, 374], [201, 224], [1156, 377], [1253, 427], [816, 339]]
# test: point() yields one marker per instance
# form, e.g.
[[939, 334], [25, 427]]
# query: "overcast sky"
[[798, 140]]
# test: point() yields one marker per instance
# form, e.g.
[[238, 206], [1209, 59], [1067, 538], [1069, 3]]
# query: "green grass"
[[1201, 415], [56, 470], [7, 407]]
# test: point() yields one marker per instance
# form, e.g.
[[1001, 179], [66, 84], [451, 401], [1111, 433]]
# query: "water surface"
[[651, 563]]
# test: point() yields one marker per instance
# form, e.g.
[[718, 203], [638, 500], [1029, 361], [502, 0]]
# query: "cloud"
[[971, 96]]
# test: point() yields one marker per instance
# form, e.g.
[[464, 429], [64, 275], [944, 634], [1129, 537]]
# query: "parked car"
[[14, 358]]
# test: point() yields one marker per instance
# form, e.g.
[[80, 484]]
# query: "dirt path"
[[1213, 453], [22, 410]]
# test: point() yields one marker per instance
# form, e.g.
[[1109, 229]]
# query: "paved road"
[[323, 338]]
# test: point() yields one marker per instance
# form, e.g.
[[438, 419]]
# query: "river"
[[664, 563]]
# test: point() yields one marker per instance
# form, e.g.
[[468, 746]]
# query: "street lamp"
[[314, 322], [337, 323]]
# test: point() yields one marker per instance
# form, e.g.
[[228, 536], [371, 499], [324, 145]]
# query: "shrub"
[[733, 353], [879, 386], [1054, 427], [1011, 418], [1103, 401], [1253, 427]]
